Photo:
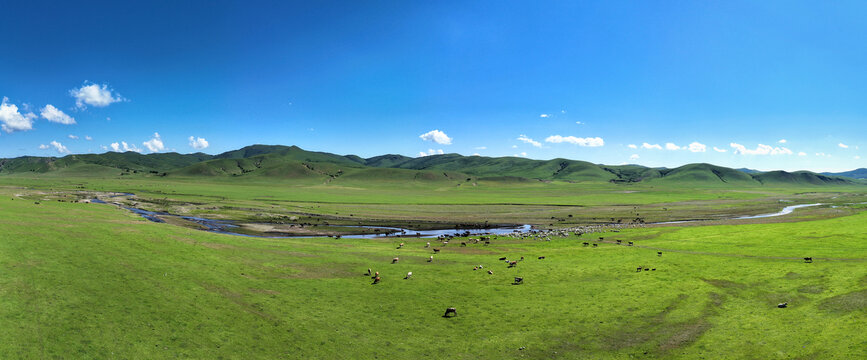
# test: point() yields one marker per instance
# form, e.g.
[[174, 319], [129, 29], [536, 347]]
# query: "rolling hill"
[[292, 162]]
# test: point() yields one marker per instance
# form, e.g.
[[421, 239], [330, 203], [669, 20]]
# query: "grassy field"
[[92, 281]]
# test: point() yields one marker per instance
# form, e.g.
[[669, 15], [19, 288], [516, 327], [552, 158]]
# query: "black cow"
[[452, 311], [808, 259]]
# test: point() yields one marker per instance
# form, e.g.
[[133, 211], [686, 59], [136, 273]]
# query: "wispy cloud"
[[634, 157], [632, 146], [782, 141], [762, 149], [719, 150], [12, 119], [73, 137], [697, 147], [53, 114], [671, 146], [545, 116], [588, 141], [57, 146], [802, 153], [527, 140], [522, 154], [88, 138], [436, 136], [651, 146], [481, 147], [431, 152], [123, 146], [95, 95], [842, 145], [155, 144], [198, 143]]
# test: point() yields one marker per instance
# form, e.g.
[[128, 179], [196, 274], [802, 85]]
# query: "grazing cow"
[[646, 269], [368, 271], [541, 258], [601, 238], [428, 245], [653, 269], [436, 250], [586, 244], [431, 259], [808, 259], [376, 280], [638, 269], [400, 246], [630, 243], [490, 272], [619, 242], [783, 305], [452, 311], [408, 275], [376, 274], [595, 245], [659, 253], [463, 244], [395, 260], [487, 243], [513, 263], [502, 258], [518, 281], [522, 258]]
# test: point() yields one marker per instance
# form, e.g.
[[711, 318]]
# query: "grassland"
[[93, 281]]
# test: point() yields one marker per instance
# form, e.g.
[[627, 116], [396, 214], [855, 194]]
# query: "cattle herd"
[[533, 234]]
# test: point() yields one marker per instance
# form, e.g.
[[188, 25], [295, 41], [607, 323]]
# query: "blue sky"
[[775, 84]]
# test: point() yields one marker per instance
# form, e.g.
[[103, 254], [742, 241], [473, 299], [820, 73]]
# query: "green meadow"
[[84, 280]]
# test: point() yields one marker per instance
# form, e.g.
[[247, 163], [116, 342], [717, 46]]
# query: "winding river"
[[226, 226]]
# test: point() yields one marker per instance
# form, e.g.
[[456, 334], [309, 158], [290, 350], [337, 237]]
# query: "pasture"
[[94, 281]]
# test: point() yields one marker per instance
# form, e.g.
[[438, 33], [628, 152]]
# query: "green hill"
[[292, 162]]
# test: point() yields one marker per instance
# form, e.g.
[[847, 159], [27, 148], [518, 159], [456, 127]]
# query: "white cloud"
[[634, 157], [431, 152], [73, 137], [523, 154], [12, 119], [671, 146], [198, 143], [632, 146], [651, 147], [476, 154], [589, 142], [514, 146], [782, 141], [88, 138], [545, 115], [821, 154], [123, 146], [52, 114], [802, 153], [697, 147], [579, 123], [155, 144], [94, 95], [762, 149], [842, 145], [104, 148], [857, 157], [719, 150], [59, 147], [481, 148], [44, 146], [527, 140], [436, 136]]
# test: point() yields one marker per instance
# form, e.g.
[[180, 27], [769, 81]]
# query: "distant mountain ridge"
[[292, 162], [855, 174]]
